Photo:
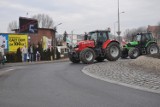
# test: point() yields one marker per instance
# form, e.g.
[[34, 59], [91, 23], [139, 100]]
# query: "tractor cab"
[[99, 37], [142, 39]]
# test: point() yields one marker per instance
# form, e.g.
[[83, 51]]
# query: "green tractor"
[[143, 43]]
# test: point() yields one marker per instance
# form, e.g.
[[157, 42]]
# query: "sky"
[[79, 16]]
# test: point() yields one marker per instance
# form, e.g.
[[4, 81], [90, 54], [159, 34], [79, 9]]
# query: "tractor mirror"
[[155, 39]]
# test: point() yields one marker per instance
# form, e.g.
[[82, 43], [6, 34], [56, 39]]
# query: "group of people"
[[28, 53]]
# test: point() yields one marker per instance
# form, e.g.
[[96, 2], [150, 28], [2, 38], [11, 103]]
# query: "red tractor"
[[97, 47]]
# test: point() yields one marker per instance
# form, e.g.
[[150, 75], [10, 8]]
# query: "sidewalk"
[[32, 63]]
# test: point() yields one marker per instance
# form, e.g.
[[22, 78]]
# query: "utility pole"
[[118, 32], [55, 29]]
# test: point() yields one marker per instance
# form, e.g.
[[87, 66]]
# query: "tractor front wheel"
[[133, 53], [152, 49], [113, 51], [124, 53], [73, 59], [87, 56]]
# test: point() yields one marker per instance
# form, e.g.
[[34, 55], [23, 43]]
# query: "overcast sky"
[[83, 15]]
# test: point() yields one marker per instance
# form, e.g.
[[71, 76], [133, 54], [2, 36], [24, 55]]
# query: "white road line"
[[5, 71]]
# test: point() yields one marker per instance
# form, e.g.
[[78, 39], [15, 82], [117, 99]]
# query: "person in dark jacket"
[[37, 52], [30, 53]]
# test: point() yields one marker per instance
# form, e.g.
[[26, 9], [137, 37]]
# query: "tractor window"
[[93, 36], [146, 37], [102, 36], [137, 38], [149, 36]]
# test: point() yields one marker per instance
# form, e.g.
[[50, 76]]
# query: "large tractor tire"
[[124, 53], [87, 56], [73, 59], [113, 51], [152, 49], [99, 59], [133, 53]]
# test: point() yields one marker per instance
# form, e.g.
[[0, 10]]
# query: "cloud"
[[84, 15]]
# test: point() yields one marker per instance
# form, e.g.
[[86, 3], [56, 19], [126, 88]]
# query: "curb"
[[32, 63], [120, 83]]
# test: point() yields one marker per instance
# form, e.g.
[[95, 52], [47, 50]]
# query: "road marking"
[[5, 71]]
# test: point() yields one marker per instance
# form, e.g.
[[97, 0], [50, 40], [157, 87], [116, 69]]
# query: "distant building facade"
[[38, 38], [155, 30]]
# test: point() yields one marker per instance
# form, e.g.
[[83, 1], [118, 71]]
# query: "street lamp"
[[115, 27], [72, 36], [56, 26], [119, 31], [55, 29]]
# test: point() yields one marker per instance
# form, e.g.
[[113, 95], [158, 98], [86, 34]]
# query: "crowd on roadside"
[[28, 53]]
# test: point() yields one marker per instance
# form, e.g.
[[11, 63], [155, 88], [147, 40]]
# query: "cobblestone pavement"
[[123, 72]]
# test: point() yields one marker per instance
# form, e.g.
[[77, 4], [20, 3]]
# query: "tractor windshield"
[[98, 36], [137, 38], [92, 36]]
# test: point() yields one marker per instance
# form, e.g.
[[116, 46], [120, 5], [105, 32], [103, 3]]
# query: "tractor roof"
[[99, 31], [143, 33]]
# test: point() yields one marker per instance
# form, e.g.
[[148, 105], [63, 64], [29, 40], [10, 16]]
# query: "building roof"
[[153, 28]]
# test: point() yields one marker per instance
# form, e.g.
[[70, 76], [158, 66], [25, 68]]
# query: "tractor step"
[[144, 51]]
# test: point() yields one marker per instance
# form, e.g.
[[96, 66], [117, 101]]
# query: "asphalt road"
[[64, 85]]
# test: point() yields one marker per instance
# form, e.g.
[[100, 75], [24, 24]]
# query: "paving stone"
[[143, 72]]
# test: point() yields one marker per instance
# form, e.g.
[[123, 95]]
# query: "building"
[[38, 38], [74, 38], [155, 30]]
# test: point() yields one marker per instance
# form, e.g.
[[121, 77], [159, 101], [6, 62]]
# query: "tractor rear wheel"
[[152, 49], [133, 53], [113, 51], [87, 56]]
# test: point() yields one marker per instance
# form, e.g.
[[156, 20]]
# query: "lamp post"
[[115, 27], [72, 36], [55, 29], [119, 31]]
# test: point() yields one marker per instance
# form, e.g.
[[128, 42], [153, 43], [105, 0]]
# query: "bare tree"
[[12, 25], [44, 21], [141, 29]]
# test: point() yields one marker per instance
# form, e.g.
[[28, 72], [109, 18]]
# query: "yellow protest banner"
[[44, 42], [17, 40]]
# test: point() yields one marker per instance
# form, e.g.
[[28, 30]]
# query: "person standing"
[[30, 52], [2, 54], [38, 55], [24, 53]]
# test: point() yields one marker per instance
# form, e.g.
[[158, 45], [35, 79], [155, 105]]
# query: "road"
[[64, 85]]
